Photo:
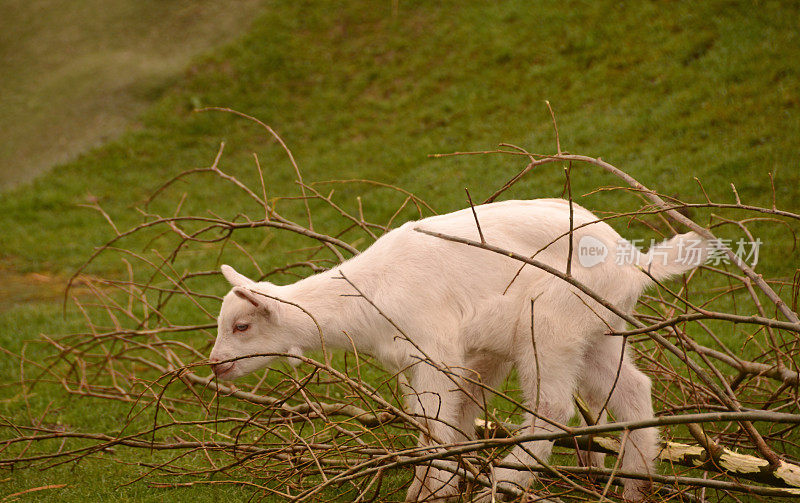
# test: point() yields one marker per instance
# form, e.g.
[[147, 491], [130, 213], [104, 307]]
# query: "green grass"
[[666, 91]]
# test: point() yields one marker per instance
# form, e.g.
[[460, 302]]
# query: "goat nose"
[[212, 362], [220, 368]]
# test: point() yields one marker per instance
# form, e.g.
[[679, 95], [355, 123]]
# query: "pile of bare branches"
[[335, 427]]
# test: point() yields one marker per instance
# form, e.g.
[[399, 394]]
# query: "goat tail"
[[676, 255]]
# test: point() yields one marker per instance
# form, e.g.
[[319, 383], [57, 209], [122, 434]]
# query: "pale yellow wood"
[[731, 462]]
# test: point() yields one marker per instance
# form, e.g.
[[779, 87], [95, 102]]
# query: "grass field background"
[[667, 91]]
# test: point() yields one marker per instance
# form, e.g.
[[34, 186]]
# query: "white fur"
[[448, 299]]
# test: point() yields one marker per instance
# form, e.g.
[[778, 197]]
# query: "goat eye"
[[240, 327]]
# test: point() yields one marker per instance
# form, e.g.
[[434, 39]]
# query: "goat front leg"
[[436, 396]]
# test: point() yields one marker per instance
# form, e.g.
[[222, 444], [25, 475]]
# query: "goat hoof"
[[637, 490], [431, 484]]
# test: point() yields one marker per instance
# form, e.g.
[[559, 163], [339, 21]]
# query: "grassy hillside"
[[666, 91]]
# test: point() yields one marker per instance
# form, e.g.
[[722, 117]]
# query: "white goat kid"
[[452, 303]]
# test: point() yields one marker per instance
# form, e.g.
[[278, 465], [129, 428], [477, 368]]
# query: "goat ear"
[[258, 301], [234, 278]]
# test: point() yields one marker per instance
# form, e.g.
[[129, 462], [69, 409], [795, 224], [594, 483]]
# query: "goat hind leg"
[[482, 374], [594, 404], [630, 401], [550, 397]]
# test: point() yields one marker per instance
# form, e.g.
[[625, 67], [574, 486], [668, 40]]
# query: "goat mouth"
[[221, 369]]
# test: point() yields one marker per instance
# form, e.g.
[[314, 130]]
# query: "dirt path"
[[21, 288], [77, 73]]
